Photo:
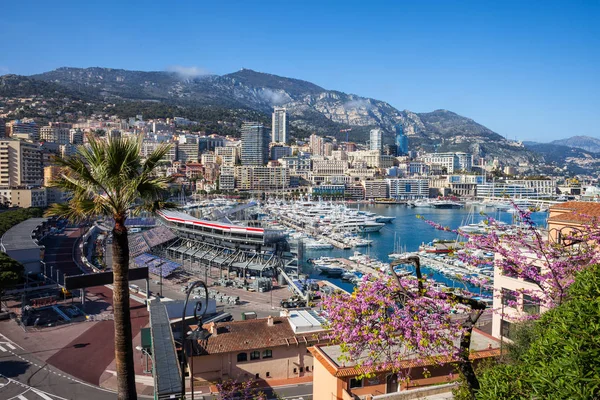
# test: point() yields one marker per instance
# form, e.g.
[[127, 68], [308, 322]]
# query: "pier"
[[436, 264], [287, 222], [362, 268]]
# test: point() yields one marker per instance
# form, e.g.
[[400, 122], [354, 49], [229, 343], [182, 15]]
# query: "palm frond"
[[108, 178]]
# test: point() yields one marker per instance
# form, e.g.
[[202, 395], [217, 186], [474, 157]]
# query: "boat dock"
[[334, 286], [353, 265], [287, 222], [436, 264]]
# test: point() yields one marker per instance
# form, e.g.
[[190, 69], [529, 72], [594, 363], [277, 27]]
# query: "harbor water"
[[407, 232]]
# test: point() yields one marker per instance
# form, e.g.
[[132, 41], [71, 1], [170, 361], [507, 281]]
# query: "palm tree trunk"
[[123, 337]]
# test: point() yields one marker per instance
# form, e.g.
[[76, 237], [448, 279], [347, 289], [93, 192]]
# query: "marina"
[[313, 246]]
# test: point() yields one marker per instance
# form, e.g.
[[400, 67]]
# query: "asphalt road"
[[24, 377]]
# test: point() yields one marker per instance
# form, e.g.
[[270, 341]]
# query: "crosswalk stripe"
[[10, 346], [21, 397], [2, 348], [42, 395]]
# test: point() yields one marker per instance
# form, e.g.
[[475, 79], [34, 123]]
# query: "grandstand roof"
[[178, 216], [19, 236]]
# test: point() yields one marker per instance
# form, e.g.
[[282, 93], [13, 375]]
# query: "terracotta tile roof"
[[575, 211], [255, 334], [355, 370]]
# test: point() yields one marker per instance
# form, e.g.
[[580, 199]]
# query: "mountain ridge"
[[311, 108]]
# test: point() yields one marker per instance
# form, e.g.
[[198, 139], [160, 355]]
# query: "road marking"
[[7, 340], [10, 346], [2, 348], [21, 397], [41, 394]]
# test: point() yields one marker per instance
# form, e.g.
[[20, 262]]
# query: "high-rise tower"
[[279, 131], [255, 144], [376, 140], [401, 140]]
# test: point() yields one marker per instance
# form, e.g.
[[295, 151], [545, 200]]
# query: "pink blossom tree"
[[240, 390], [525, 251], [390, 319]]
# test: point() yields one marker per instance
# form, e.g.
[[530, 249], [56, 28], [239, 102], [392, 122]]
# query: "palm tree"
[[109, 178]]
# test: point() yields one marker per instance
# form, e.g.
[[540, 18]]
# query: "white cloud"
[[4, 70], [274, 97], [359, 103], [187, 72]]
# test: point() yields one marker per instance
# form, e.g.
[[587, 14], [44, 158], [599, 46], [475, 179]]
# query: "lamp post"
[[198, 334]]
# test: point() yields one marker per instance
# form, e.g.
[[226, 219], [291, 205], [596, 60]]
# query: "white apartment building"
[[505, 190], [297, 166], [56, 132], [339, 155], [376, 140], [329, 167], [188, 152], [208, 158], [451, 162], [149, 146], [371, 158], [261, 178], [20, 164], [542, 187], [408, 189], [228, 155]]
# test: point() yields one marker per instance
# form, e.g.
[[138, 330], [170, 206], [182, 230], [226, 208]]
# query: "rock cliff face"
[[310, 107]]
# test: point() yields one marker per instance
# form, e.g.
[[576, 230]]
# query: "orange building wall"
[[285, 359]]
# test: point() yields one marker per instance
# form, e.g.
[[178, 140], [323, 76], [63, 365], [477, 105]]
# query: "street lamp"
[[198, 334]]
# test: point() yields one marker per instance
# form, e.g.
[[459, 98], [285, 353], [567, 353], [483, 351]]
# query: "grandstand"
[[156, 265], [140, 222], [137, 245], [145, 241], [158, 236]]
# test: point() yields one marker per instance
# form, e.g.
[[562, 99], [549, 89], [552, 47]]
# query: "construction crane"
[[346, 130]]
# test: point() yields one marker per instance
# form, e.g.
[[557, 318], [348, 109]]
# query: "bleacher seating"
[[156, 265], [140, 221], [137, 245], [159, 235]]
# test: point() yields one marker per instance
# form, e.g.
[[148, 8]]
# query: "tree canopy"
[[561, 354], [11, 272]]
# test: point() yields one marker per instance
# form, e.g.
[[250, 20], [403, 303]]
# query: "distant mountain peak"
[[581, 142]]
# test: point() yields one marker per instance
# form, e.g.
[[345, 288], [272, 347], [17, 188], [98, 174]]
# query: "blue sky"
[[525, 69]]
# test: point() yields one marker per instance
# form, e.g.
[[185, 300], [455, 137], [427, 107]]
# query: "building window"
[[505, 328], [267, 354], [268, 374], [241, 357], [531, 305], [532, 271], [356, 383], [255, 355], [509, 297]]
